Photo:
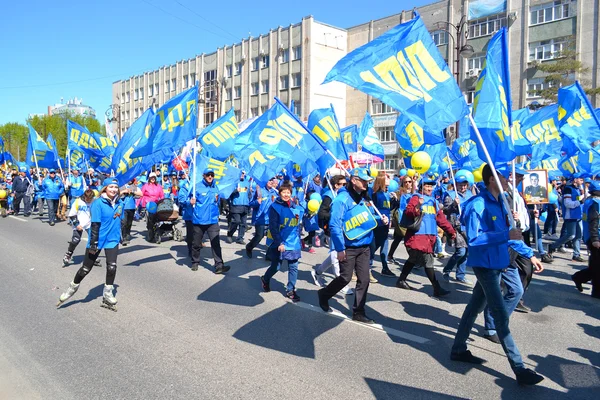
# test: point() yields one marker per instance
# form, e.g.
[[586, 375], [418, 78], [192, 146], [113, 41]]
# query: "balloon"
[[477, 175], [421, 161], [443, 167], [316, 196], [553, 197], [550, 188], [411, 172], [313, 206], [403, 172], [151, 207], [543, 216], [393, 186], [374, 172], [3, 194], [96, 193]]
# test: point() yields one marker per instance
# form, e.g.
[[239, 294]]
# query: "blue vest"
[[586, 206], [429, 211], [383, 203], [289, 226], [110, 222], [129, 200], [76, 189], [358, 221], [572, 213], [167, 188], [241, 197]]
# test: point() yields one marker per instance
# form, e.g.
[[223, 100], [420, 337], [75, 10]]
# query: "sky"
[[67, 49]]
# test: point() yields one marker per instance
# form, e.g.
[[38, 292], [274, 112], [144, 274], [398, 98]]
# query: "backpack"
[[324, 215]]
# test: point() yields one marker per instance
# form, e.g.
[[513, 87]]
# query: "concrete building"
[[288, 62], [72, 106]]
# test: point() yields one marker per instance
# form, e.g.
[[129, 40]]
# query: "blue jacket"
[[591, 228], [342, 219], [206, 209], [109, 216], [129, 200], [298, 193], [383, 203], [76, 189], [314, 188], [284, 225], [571, 207], [486, 224], [20, 185], [182, 196], [53, 189], [239, 197], [260, 211]]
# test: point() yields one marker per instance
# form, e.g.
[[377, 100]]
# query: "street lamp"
[[113, 114]]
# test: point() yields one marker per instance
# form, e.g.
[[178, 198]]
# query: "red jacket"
[[424, 243]]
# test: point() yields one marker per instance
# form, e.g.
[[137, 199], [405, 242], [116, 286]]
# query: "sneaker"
[[323, 303], [51, 223], [372, 278], [552, 250], [265, 285], [347, 291], [222, 270], [248, 252], [578, 285], [292, 296], [354, 278], [547, 258], [561, 250], [228, 239], [311, 250], [446, 276], [194, 267], [578, 259], [492, 338], [466, 357], [362, 318], [387, 272], [125, 242], [392, 260], [464, 281], [522, 308], [318, 278], [440, 255], [240, 241], [317, 242], [529, 377], [402, 285]]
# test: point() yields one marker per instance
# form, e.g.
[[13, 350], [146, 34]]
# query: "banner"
[[324, 126], [367, 137], [413, 137], [43, 154], [79, 138], [349, 137], [218, 139], [227, 176]]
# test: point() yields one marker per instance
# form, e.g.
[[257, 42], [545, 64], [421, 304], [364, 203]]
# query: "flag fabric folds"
[[521, 144], [404, 69], [172, 126], [349, 137], [227, 177], [367, 137], [324, 126], [79, 138], [492, 103], [218, 139], [38, 150], [413, 137]]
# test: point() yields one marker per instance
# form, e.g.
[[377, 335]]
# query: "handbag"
[[410, 223]]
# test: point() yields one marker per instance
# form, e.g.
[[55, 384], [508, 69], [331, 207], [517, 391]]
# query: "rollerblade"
[[108, 300], [67, 295], [67, 258]]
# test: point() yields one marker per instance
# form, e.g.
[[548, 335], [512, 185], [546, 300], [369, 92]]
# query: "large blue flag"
[[568, 165], [367, 137], [80, 138], [37, 149], [227, 177], [52, 145], [589, 162], [1, 150], [324, 125], [404, 69], [584, 120], [77, 159], [522, 145], [107, 145], [349, 136], [413, 137], [492, 104], [173, 125], [218, 139], [125, 166], [7, 157]]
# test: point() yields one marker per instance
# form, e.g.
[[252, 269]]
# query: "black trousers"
[[150, 219], [52, 209], [238, 222], [525, 270], [26, 203], [215, 243], [357, 259], [126, 223], [189, 235], [90, 259], [592, 272], [75, 239]]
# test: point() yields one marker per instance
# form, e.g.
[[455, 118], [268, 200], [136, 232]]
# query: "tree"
[[15, 137], [563, 71]]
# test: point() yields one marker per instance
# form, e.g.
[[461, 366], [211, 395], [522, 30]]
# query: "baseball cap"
[[362, 173], [51, 171], [109, 181], [208, 170], [594, 186], [429, 178]]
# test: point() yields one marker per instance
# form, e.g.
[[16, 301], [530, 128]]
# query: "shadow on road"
[[385, 390]]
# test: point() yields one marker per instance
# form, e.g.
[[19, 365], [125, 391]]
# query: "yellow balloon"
[[313, 206], [96, 193], [3, 194], [374, 172], [411, 172], [477, 175], [420, 161], [550, 188]]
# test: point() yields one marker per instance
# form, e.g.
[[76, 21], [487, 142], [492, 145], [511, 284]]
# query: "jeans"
[[259, 233], [52, 208], [238, 222], [330, 261], [458, 260], [380, 241], [276, 266], [572, 232], [551, 221], [487, 290], [513, 291], [26, 203], [438, 245]]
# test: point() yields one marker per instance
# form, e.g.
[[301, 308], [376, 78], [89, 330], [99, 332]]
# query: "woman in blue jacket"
[[284, 229], [104, 233]]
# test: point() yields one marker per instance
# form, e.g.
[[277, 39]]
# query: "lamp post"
[[113, 114]]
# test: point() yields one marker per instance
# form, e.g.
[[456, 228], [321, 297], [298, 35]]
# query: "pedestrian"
[[284, 230], [104, 233], [129, 193], [75, 185], [53, 188], [186, 212], [382, 200], [406, 191], [591, 236], [81, 220], [203, 199], [421, 237], [22, 189], [351, 226], [488, 232], [260, 204], [151, 192], [238, 210], [572, 212]]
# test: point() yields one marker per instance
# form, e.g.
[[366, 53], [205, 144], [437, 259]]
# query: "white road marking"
[[377, 327], [538, 283], [20, 219]]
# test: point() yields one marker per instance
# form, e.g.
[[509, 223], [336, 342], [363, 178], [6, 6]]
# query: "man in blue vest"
[[260, 204], [351, 225], [486, 221], [53, 189], [591, 236], [75, 185], [238, 210], [572, 200]]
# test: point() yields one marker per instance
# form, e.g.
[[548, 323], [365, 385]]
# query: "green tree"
[[563, 71], [15, 138]]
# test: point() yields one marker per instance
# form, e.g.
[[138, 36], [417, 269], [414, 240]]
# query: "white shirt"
[[83, 212]]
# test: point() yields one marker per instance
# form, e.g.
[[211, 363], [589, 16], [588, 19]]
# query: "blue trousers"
[[513, 291], [487, 291], [572, 231], [276, 266], [458, 260], [381, 241]]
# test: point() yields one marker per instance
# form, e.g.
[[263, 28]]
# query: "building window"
[[285, 55], [390, 164], [141, 93], [238, 68], [186, 81], [255, 64], [381, 108], [227, 94], [285, 82], [264, 86], [553, 11], [386, 133], [136, 93], [228, 71], [263, 109], [193, 79], [127, 114], [297, 52], [167, 86], [439, 37], [127, 97], [547, 49], [122, 98], [535, 85], [254, 112], [486, 26], [237, 91], [156, 88], [238, 115], [151, 90], [122, 115], [296, 80], [254, 88], [297, 108], [210, 75], [476, 61], [264, 61], [173, 84]]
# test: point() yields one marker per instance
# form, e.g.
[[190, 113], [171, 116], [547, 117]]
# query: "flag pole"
[[493, 169], [195, 172], [453, 181]]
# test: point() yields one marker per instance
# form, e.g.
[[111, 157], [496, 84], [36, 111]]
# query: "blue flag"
[[404, 69], [522, 145], [43, 154], [52, 145], [125, 166], [7, 157], [589, 162], [219, 138], [349, 136], [492, 104], [367, 137], [568, 165], [324, 126], [173, 125], [1, 150], [77, 159], [582, 127], [413, 137], [79, 138], [227, 177]]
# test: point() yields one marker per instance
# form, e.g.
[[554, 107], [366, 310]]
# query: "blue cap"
[[588, 180], [109, 181], [297, 174], [430, 179], [51, 171], [208, 170], [506, 170], [461, 178], [594, 186], [22, 169], [362, 173]]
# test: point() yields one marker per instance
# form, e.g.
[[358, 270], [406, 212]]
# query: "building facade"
[[73, 106]]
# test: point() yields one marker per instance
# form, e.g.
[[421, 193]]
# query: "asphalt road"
[[180, 334]]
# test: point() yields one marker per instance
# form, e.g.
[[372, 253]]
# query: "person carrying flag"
[[238, 210], [53, 188], [260, 204]]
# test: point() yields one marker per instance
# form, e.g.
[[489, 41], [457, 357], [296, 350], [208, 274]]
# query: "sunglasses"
[[407, 181], [210, 174]]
